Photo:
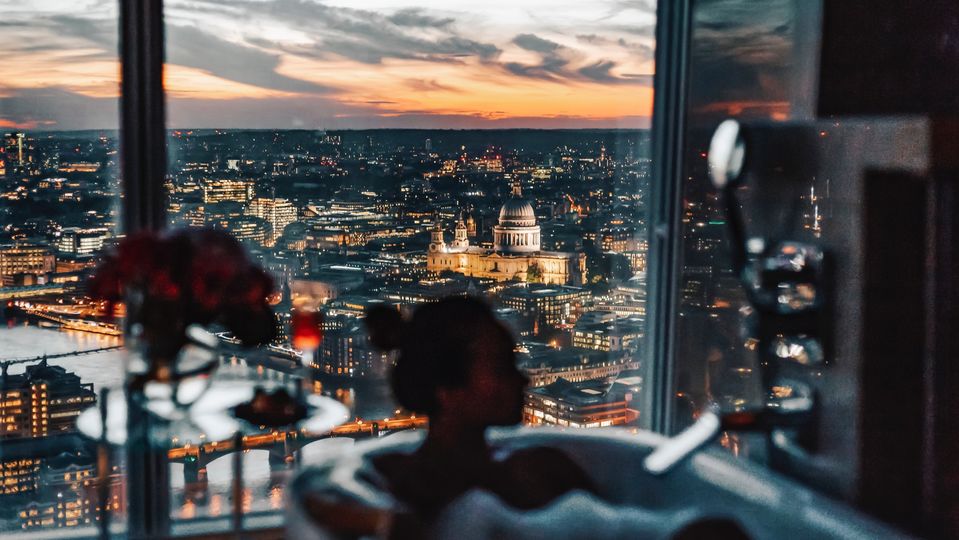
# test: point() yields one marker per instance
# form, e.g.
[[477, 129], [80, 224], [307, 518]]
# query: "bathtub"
[[632, 503]]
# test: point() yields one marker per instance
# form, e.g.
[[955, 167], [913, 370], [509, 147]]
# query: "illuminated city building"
[[609, 336], [19, 475], [223, 189], [470, 226], [545, 306], [42, 400], [617, 239], [637, 258], [25, 259], [487, 165], [76, 241], [14, 151], [424, 291], [65, 477], [69, 267], [624, 300], [325, 284], [52, 487], [545, 365], [516, 252], [587, 404], [347, 352], [277, 212], [244, 228], [67, 493], [78, 166]]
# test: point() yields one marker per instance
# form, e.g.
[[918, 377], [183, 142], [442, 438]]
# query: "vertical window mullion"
[[670, 89], [143, 168], [142, 115]]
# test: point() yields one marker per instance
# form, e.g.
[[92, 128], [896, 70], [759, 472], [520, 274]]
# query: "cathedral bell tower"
[[460, 236], [437, 241]]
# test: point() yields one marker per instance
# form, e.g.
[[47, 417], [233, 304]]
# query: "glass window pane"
[[380, 153], [744, 65], [58, 211]]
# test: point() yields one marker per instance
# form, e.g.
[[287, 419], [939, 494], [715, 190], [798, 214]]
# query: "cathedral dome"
[[517, 231], [518, 213]]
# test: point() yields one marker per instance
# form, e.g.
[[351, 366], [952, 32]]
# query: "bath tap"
[[771, 420], [674, 450], [787, 288]]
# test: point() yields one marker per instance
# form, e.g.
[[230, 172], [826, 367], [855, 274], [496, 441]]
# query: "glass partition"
[[374, 154], [378, 153], [747, 65], [59, 204]]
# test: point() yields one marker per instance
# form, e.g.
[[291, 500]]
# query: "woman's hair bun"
[[385, 326]]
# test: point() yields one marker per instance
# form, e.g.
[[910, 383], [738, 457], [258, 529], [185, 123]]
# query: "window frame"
[[143, 162], [142, 143], [673, 24]]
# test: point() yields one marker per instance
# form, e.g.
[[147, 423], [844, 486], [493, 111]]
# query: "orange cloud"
[[73, 70], [470, 88], [192, 83]]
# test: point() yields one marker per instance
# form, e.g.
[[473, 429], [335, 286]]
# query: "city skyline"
[[549, 228], [311, 65]]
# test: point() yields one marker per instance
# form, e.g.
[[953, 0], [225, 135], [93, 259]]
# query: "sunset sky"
[[341, 64]]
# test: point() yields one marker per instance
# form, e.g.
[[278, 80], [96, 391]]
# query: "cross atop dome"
[[517, 189]]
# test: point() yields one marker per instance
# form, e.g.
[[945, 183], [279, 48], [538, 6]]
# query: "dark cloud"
[[449, 50], [645, 51], [191, 47], [361, 35], [58, 108], [62, 32], [370, 37], [599, 71], [617, 7], [556, 61], [416, 18], [531, 71], [746, 56], [185, 45], [534, 43], [102, 32]]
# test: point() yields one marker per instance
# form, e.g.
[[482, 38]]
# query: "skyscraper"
[[277, 212], [44, 400], [13, 146]]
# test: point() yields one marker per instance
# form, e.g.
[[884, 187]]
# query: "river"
[[369, 400], [105, 369]]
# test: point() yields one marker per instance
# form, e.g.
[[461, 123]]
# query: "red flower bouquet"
[[172, 280]]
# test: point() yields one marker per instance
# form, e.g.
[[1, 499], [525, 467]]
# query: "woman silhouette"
[[456, 364]]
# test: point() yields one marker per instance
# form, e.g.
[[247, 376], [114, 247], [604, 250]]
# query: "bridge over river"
[[282, 445], [5, 363]]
